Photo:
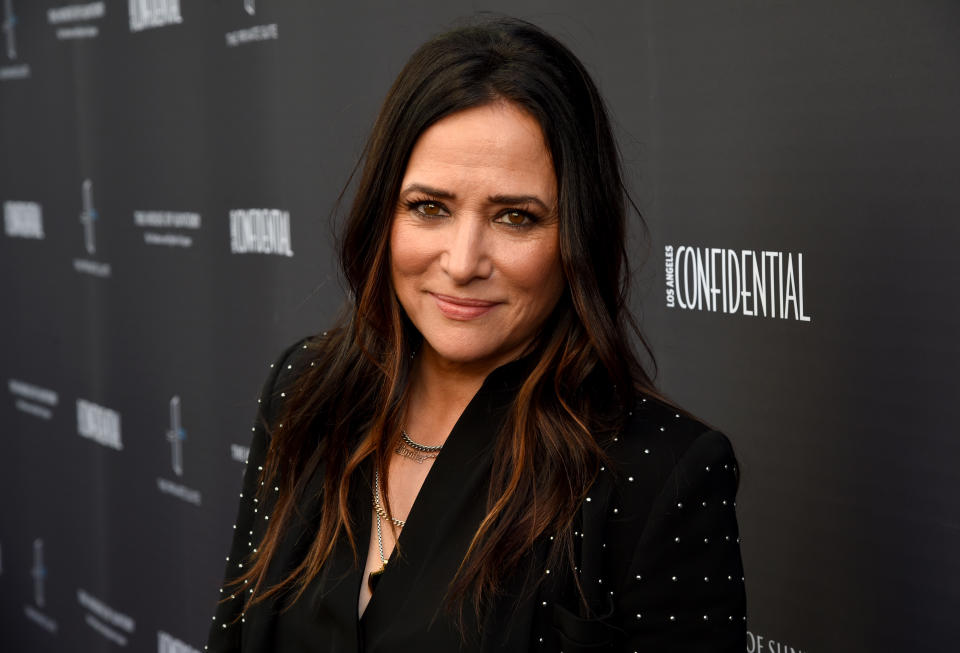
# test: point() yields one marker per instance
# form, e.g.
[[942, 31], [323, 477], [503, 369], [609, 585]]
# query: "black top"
[[657, 548]]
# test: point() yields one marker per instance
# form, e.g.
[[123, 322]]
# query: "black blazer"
[[657, 549]]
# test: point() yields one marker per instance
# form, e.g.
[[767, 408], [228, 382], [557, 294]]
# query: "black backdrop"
[[168, 174]]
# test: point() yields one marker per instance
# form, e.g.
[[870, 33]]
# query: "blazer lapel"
[[448, 510]]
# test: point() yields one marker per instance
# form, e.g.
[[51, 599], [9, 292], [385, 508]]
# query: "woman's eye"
[[431, 209], [515, 219]]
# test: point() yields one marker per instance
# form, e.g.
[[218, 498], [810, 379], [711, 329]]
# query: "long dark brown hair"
[[345, 409]]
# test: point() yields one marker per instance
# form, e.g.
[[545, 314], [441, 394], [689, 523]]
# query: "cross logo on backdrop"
[[88, 216], [9, 22], [39, 573], [176, 435]]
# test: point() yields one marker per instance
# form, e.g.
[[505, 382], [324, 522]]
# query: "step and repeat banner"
[[169, 174]]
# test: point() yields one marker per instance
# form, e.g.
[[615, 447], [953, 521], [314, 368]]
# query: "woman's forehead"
[[491, 145]]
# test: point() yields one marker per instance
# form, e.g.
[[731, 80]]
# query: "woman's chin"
[[461, 354]]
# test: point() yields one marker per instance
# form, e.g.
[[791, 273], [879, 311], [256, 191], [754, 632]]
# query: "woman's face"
[[474, 245]]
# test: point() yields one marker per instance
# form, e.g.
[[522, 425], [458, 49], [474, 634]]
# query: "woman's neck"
[[439, 392]]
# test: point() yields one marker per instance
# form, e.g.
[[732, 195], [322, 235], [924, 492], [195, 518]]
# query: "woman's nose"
[[465, 255]]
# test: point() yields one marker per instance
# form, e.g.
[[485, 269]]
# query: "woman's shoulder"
[[653, 422], [286, 370], [662, 448]]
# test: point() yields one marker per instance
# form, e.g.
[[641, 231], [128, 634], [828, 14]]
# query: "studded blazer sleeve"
[[228, 626], [684, 589], [659, 554]]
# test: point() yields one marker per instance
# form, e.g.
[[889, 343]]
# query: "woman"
[[473, 458]]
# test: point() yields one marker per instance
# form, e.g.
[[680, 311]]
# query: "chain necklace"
[[376, 501], [374, 576], [414, 450]]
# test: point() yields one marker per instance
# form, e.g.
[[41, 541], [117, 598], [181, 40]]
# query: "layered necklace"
[[416, 452]]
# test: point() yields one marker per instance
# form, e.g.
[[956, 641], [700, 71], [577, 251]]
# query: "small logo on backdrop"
[[761, 644], [176, 435], [18, 71], [166, 220], [748, 282], [99, 423], [167, 643], [76, 20], [260, 231], [88, 218], [9, 22], [39, 574], [104, 619], [32, 399], [146, 14], [239, 453], [267, 32], [23, 220]]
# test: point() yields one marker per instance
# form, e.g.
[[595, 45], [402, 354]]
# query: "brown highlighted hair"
[[586, 369]]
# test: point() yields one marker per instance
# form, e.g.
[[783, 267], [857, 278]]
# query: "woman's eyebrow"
[[518, 199], [493, 199], [427, 190]]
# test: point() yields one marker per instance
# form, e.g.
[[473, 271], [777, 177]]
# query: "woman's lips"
[[462, 308]]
